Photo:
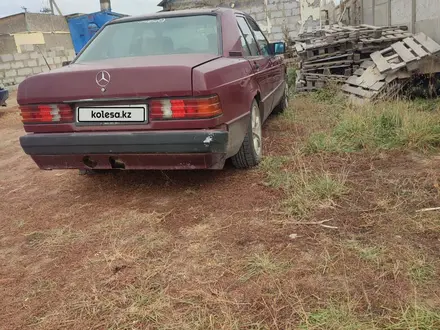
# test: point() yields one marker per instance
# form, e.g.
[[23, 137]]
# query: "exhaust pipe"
[[116, 164], [89, 162], [105, 5]]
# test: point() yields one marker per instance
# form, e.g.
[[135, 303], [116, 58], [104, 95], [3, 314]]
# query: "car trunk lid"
[[123, 78]]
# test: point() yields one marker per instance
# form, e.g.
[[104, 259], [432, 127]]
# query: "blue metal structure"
[[83, 27], [4, 94]]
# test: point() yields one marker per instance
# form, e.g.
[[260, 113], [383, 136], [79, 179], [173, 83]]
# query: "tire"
[[251, 150], [284, 103], [92, 172]]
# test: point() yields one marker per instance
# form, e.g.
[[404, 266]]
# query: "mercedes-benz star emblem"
[[103, 78]]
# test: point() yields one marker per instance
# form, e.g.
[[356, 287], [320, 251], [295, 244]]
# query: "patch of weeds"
[[416, 317], [351, 134], [367, 253], [288, 116], [276, 176], [331, 95], [291, 77], [326, 186], [429, 105], [262, 264], [311, 190], [335, 317], [421, 271], [386, 128], [320, 142], [387, 125]]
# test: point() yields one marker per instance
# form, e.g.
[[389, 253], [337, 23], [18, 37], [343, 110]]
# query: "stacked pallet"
[[335, 52], [310, 29], [390, 69]]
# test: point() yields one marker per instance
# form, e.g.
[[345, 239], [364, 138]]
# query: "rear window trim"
[[127, 20]]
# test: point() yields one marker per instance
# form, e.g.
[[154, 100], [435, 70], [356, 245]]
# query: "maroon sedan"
[[173, 90]]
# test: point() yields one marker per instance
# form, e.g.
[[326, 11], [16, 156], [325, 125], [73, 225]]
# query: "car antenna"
[[44, 57]]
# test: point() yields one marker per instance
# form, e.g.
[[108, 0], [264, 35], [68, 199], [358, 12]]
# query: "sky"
[[129, 7]]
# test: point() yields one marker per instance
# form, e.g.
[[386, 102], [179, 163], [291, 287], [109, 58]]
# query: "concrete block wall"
[[16, 67], [273, 16], [418, 15]]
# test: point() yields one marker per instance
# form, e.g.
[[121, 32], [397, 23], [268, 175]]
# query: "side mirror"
[[65, 63], [278, 48]]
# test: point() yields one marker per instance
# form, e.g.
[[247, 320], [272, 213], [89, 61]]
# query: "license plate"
[[114, 114]]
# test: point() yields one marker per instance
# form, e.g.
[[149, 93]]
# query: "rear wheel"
[[251, 150], [90, 171]]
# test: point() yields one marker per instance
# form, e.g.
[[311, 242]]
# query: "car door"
[[260, 63], [273, 65]]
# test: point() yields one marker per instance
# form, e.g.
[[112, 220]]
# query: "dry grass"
[[387, 125], [240, 250], [304, 189]]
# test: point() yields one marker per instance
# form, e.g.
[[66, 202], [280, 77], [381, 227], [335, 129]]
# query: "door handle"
[[256, 66]]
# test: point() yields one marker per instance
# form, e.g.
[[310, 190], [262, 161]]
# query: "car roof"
[[175, 13]]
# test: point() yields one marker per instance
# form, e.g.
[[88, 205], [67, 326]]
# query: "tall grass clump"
[[386, 125]]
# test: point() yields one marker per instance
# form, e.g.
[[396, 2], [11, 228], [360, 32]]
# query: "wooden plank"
[[357, 91], [377, 86], [328, 64], [359, 72], [369, 79], [353, 80], [427, 42], [299, 48], [381, 63], [390, 78], [404, 53], [331, 58], [366, 64], [415, 47], [398, 66]]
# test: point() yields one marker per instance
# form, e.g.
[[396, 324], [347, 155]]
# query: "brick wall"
[[16, 67]]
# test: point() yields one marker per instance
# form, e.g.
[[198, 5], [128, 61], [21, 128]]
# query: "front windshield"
[[172, 35]]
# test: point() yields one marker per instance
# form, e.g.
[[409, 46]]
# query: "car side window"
[[248, 36], [244, 45], [259, 36]]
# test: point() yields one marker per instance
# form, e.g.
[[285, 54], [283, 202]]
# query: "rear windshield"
[[175, 35]]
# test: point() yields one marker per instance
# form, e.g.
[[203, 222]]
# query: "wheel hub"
[[256, 130]]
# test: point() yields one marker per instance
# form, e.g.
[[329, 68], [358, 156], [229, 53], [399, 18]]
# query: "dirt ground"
[[213, 250]]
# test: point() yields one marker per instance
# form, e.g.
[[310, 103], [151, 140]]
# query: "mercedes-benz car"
[[171, 90]]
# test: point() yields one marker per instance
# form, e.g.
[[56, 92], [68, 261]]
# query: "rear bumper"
[[135, 150]]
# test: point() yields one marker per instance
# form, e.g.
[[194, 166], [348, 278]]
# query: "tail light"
[[46, 113], [188, 108]]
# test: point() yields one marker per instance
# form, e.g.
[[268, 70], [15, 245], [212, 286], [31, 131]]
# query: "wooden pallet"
[[340, 70], [391, 37], [322, 77], [405, 53], [311, 85], [340, 57], [368, 83], [327, 64], [326, 50], [389, 92], [310, 29]]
